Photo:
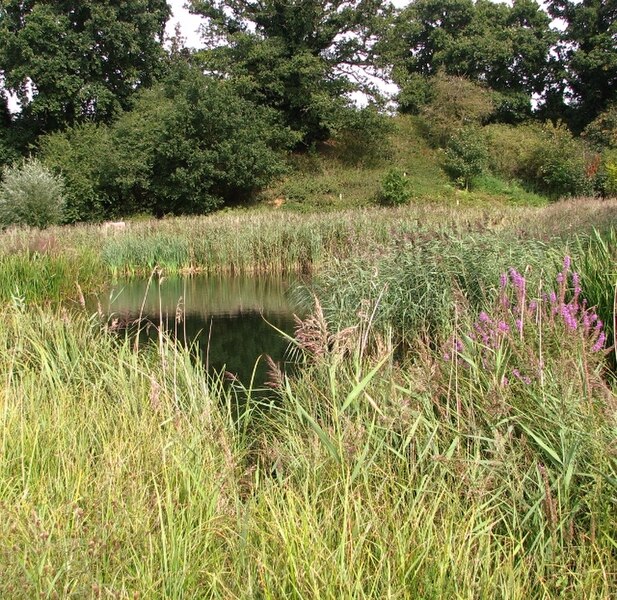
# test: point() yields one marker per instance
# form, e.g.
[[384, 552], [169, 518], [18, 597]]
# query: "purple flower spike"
[[517, 279], [566, 263], [484, 318], [553, 298], [559, 277], [503, 327], [519, 325], [568, 317], [503, 280], [599, 343]]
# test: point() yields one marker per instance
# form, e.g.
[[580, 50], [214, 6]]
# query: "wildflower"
[[503, 327], [503, 280], [517, 279], [568, 317], [599, 343], [576, 281], [566, 263], [519, 325]]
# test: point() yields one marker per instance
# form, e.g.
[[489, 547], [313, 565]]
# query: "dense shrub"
[[509, 148], [395, 188], [455, 103], [30, 195], [602, 131], [86, 157], [187, 146], [558, 165], [546, 158], [466, 156]]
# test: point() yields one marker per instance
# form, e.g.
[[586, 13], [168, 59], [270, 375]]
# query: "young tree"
[[70, 61], [301, 57]]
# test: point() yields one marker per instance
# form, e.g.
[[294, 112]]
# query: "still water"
[[233, 320]]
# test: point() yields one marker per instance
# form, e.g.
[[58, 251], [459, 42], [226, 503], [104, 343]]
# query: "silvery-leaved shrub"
[[30, 194]]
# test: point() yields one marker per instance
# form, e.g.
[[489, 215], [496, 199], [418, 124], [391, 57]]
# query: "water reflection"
[[230, 318]]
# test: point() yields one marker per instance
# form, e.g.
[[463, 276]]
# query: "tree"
[[69, 61], [589, 48], [296, 56], [503, 47], [188, 145]]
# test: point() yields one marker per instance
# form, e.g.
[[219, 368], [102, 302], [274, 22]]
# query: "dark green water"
[[230, 318]]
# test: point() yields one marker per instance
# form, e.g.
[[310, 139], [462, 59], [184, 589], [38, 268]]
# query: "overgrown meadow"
[[451, 433]]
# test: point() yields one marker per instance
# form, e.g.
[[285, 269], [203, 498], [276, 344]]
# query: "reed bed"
[[128, 474], [451, 433]]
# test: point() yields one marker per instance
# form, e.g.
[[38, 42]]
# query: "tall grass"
[[123, 474], [270, 241]]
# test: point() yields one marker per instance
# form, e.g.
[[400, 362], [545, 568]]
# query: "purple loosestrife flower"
[[568, 317], [599, 345], [576, 281], [503, 327], [560, 278], [484, 318], [503, 280], [566, 263], [519, 325]]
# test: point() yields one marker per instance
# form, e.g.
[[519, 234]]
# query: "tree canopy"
[[296, 56], [68, 61], [504, 47], [589, 54]]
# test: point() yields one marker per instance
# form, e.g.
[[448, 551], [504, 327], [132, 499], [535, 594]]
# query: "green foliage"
[[83, 59], [503, 47], [455, 103], [363, 139], [510, 148], [589, 53], [601, 133], [465, 156], [546, 158], [558, 165], [86, 157], [187, 146], [395, 188], [290, 56], [606, 177], [30, 195]]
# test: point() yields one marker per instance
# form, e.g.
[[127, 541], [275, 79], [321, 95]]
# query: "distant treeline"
[[127, 121]]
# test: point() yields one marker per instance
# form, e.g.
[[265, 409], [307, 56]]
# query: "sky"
[[189, 23]]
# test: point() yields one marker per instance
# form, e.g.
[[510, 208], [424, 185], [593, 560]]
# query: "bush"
[[455, 103], [395, 188], [31, 195], [86, 158], [466, 156], [187, 146], [558, 165], [601, 133], [509, 148]]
